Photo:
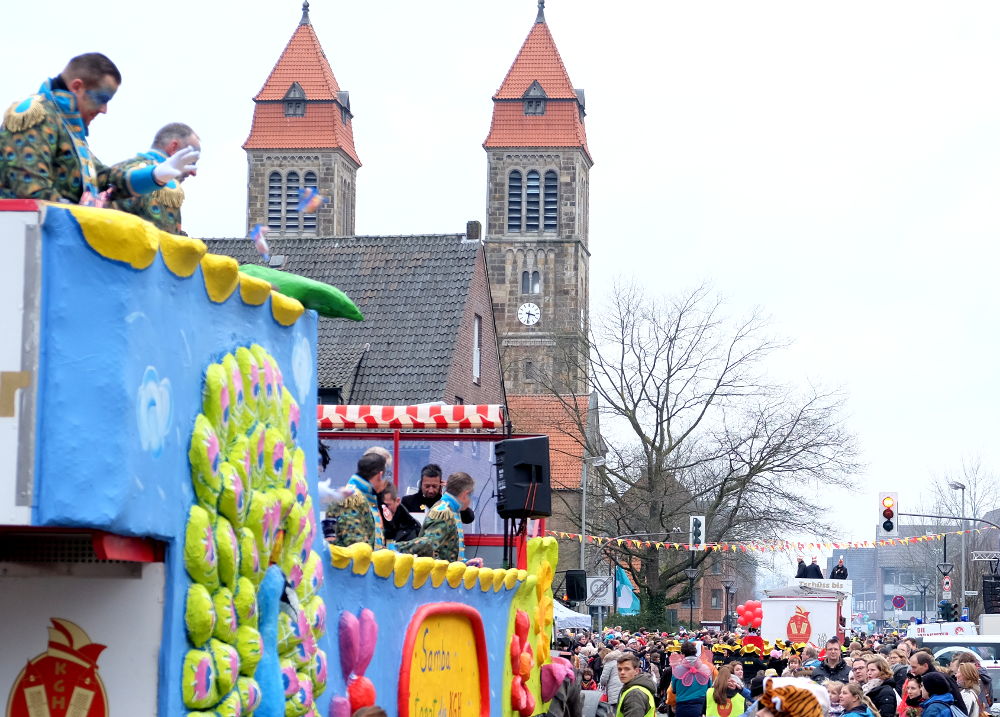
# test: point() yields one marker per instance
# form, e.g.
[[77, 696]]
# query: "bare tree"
[[692, 427]]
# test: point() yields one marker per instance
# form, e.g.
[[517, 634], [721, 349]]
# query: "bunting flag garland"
[[762, 547]]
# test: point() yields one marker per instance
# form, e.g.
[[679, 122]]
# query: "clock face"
[[528, 314]]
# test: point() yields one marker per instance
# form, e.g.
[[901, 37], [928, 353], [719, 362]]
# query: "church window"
[[514, 189], [534, 99], [477, 348], [529, 371], [274, 201], [295, 101], [551, 201], [309, 219], [534, 107], [532, 202], [525, 282], [292, 201], [531, 282]]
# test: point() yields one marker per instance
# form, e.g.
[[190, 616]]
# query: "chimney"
[[473, 230]]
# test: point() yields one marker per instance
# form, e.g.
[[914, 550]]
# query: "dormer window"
[[534, 99], [295, 101]]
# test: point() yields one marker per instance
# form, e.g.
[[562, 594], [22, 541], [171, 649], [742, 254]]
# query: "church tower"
[[537, 220], [302, 137]]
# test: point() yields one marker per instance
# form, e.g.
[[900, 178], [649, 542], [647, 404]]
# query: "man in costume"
[[442, 536], [163, 206], [429, 492], [355, 510], [43, 141], [840, 571]]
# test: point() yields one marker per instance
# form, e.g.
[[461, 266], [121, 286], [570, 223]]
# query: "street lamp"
[[955, 485], [596, 461], [923, 583], [727, 585], [691, 573]]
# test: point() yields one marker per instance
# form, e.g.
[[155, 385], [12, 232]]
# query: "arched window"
[[532, 202], [531, 282], [309, 219], [551, 201], [292, 201], [274, 201], [529, 370], [514, 190]]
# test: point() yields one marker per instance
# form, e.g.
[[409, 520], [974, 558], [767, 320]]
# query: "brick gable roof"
[[553, 416], [322, 127], [411, 290], [562, 124]]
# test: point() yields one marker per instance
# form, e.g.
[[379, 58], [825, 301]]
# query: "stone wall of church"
[[336, 179]]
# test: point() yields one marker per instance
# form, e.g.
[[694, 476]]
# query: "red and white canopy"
[[420, 416]]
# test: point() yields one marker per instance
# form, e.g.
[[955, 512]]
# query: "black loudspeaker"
[[576, 585], [523, 489], [991, 594]]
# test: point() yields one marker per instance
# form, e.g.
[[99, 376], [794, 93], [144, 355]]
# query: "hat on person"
[[795, 697]]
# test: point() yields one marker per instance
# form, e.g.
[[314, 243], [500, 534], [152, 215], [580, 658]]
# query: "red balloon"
[[361, 692], [758, 613], [756, 622], [740, 609]]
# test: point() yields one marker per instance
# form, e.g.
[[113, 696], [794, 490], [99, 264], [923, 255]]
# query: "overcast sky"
[[835, 164]]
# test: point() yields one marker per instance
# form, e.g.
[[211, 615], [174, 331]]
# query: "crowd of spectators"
[[722, 674]]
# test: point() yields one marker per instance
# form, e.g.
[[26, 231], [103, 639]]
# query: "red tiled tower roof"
[[554, 417], [562, 124], [322, 127]]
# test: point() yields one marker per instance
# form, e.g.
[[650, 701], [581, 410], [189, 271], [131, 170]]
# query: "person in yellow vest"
[[725, 699], [636, 698]]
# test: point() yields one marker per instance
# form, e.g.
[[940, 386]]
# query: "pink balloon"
[[368, 633]]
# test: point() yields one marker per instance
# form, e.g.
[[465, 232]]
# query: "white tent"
[[566, 618]]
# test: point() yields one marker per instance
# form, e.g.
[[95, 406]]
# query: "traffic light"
[[888, 520], [948, 611], [696, 535]]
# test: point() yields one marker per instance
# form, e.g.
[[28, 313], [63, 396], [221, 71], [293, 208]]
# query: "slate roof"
[[552, 416], [412, 291], [562, 124], [302, 61]]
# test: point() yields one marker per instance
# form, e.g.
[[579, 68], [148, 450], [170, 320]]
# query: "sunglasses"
[[100, 97]]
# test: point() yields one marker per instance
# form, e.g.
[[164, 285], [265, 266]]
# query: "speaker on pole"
[[523, 489], [991, 594], [576, 585]]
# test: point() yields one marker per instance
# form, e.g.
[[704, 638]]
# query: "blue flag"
[[628, 601]]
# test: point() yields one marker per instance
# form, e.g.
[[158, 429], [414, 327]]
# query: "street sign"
[[600, 591], [946, 582], [971, 593], [899, 602]]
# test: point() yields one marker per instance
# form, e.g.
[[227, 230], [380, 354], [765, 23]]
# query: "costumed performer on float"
[[352, 514], [43, 141], [442, 536]]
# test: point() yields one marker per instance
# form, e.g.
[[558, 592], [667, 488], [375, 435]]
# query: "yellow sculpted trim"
[[455, 573], [470, 578], [486, 579], [118, 235], [384, 560], [438, 572], [421, 571], [510, 578], [499, 576], [181, 254], [402, 570], [221, 275], [253, 291], [285, 310]]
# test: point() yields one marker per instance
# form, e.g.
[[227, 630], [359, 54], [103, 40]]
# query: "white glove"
[[180, 162]]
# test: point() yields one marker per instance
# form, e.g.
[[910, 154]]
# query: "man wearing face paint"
[[162, 207], [43, 141]]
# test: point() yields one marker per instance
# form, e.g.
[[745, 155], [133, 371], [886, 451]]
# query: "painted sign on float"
[[445, 672]]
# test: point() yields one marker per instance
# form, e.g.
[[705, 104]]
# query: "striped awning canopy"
[[434, 416]]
